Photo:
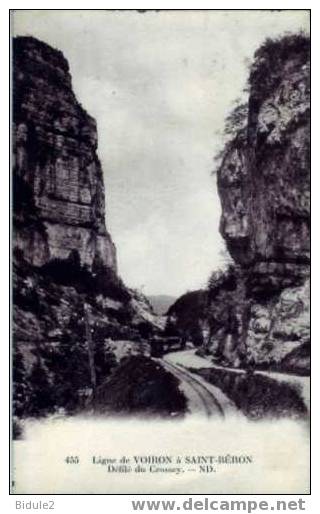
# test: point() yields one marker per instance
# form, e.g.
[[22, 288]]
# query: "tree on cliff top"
[[236, 120], [266, 69], [267, 66], [235, 130]]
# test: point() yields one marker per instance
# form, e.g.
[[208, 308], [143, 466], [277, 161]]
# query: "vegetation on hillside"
[[140, 387]]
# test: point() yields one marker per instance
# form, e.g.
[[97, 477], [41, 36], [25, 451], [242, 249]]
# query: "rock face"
[[59, 192], [264, 187], [68, 301], [264, 180]]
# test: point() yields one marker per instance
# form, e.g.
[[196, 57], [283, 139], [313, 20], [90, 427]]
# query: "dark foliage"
[[68, 367], [145, 329], [236, 121], [266, 72], [105, 361], [268, 67], [226, 279], [41, 399], [255, 395], [27, 299], [101, 280], [190, 300], [17, 429], [185, 316], [140, 386], [20, 385]]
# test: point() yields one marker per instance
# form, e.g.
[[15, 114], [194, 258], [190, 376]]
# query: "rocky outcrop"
[[264, 187], [58, 183]]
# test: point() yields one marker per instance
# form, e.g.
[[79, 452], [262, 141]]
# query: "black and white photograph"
[[160, 251]]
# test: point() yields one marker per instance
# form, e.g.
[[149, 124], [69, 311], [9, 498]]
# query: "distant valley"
[[161, 303]]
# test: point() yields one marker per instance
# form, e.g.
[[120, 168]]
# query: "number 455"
[[72, 460]]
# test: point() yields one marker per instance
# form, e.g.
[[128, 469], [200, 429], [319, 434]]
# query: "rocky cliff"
[[68, 301], [58, 184], [264, 180], [264, 187], [257, 312]]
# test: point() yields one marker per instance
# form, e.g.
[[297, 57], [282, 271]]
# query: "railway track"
[[201, 399]]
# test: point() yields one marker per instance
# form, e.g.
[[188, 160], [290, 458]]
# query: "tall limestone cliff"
[[69, 304], [257, 312], [264, 187], [264, 180], [59, 190]]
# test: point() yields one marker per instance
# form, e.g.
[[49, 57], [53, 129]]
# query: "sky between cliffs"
[[159, 85]]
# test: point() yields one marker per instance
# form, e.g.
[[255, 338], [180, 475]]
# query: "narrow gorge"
[[82, 339]]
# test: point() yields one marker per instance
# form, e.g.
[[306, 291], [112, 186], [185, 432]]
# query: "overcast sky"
[[160, 85]]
